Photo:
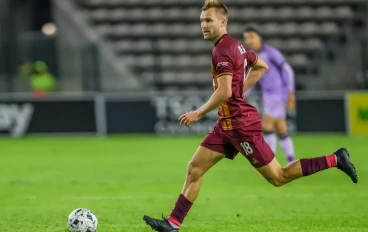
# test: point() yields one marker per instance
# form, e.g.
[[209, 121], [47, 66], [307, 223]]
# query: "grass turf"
[[121, 178]]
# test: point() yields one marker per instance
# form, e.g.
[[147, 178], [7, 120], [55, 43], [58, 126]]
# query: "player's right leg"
[[211, 151], [278, 175], [201, 162], [268, 128]]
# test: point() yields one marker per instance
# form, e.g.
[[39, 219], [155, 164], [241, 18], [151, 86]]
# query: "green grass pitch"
[[122, 178]]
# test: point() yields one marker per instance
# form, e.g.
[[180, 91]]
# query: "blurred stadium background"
[[122, 67], [104, 56]]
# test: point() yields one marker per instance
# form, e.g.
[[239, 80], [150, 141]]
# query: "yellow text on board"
[[358, 113]]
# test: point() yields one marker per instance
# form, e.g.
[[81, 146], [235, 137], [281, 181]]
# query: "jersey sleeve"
[[223, 62], [286, 70], [276, 57], [252, 58]]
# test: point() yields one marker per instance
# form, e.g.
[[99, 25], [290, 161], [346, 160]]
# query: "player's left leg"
[[278, 175], [270, 105], [286, 142], [259, 154], [268, 128]]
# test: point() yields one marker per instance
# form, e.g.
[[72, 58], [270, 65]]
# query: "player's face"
[[252, 40], [211, 24]]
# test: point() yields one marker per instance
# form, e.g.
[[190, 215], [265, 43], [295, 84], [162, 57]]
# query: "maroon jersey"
[[229, 57]]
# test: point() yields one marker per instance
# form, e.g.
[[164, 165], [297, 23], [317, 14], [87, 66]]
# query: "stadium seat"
[[286, 13], [323, 12], [145, 61], [165, 36], [118, 14], [289, 29], [230, 3], [119, 30], [167, 60], [164, 45], [148, 77], [343, 12], [204, 60], [267, 13], [329, 28], [103, 30], [169, 76], [154, 13], [309, 28], [124, 45], [185, 61], [143, 45], [305, 12], [248, 13], [275, 42], [270, 29], [101, 14], [298, 60], [294, 44], [180, 45], [173, 13]]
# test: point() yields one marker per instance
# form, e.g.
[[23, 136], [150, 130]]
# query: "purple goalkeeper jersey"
[[279, 79]]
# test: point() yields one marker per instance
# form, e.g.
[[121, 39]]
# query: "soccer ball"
[[82, 220]]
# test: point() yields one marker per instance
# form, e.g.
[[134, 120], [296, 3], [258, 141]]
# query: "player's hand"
[[291, 101], [188, 118]]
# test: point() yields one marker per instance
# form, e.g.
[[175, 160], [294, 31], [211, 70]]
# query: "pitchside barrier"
[[157, 113], [357, 113]]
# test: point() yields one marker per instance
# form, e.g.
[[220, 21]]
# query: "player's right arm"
[[223, 65], [221, 94], [258, 67]]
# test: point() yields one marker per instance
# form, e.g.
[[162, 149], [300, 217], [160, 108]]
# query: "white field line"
[[236, 196]]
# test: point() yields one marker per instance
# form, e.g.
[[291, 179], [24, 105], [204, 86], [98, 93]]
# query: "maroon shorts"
[[229, 143]]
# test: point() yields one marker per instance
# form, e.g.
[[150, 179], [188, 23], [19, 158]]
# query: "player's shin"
[[308, 166], [180, 211], [304, 167], [313, 165], [191, 189], [185, 200]]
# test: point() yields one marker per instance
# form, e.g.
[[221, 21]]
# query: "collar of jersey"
[[219, 39]]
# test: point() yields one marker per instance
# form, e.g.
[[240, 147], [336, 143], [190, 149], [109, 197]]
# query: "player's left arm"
[[248, 92], [258, 67], [287, 73]]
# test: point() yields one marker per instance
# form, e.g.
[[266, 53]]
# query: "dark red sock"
[[180, 211], [313, 165]]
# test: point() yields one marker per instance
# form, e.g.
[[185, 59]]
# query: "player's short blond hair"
[[220, 7]]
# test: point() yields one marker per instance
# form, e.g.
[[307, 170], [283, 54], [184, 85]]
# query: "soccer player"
[[239, 126], [277, 86]]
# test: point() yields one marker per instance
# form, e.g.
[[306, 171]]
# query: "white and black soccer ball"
[[82, 220]]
